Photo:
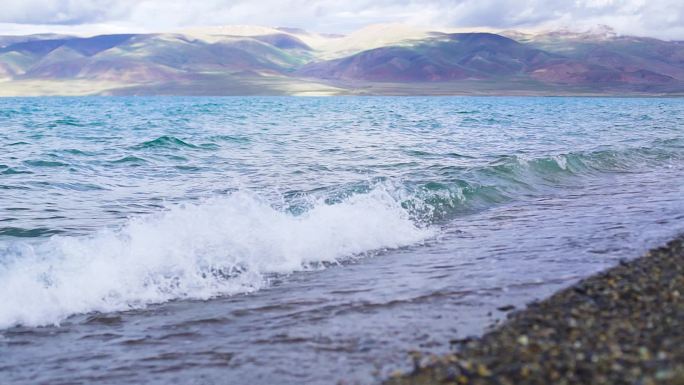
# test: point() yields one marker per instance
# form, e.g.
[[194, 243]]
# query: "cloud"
[[659, 18], [60, 12]]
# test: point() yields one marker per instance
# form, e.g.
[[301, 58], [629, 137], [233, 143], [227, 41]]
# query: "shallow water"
[[249, 240]]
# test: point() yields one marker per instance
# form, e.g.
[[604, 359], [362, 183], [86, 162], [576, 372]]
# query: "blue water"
[[308, 239]]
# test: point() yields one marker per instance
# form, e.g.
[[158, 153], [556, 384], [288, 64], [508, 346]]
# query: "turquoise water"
[[335, 215]]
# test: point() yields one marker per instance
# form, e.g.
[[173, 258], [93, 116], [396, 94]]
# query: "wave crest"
[[218, 247]]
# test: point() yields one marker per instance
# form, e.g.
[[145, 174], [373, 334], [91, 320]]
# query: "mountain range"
[[377, 60]]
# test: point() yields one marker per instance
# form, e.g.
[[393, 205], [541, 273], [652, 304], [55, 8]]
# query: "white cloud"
[[659, 18]]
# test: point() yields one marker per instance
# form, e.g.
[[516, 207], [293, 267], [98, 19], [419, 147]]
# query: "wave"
[[222, 246], [45, 163], [68, 121], [14, 171], [456, 189], [230, 138], [237, 243], [588, 162], [130, 159], [165, 141], [27, 233], [171, 142]]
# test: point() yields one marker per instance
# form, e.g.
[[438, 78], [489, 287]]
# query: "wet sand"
[[622, 326]]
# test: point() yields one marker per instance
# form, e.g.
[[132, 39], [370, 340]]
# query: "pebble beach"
[[622, 326]]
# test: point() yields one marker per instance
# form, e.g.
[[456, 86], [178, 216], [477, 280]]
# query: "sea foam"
[[221, 246]]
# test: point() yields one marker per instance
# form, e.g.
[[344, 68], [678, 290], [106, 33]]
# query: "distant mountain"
[[154, 57], [635, 64], [624, 54], [385, 59], [443, 58]]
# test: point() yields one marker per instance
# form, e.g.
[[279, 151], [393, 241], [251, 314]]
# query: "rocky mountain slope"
[[376, 60]]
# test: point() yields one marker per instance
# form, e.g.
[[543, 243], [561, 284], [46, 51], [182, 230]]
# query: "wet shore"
[[622, 326]]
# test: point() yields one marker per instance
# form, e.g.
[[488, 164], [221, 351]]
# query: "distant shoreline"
[[351, 93], [619, 326], [304, 87]]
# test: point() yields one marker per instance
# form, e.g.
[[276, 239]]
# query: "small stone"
[[482, 371], [663, 375], [525, 371], [467, 365]]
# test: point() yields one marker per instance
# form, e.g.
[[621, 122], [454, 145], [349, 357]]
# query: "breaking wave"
[[221, 246]]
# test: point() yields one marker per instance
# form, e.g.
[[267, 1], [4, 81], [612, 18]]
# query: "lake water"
[[308, 240]]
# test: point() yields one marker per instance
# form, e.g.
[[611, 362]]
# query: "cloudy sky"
[[658, 18]]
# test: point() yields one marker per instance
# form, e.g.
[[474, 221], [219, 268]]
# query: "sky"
[[656, 18]]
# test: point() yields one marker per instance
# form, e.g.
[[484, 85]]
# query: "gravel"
[[622, 326]]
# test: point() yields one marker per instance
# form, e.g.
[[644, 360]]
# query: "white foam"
[[178, 253], [562, 161]]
